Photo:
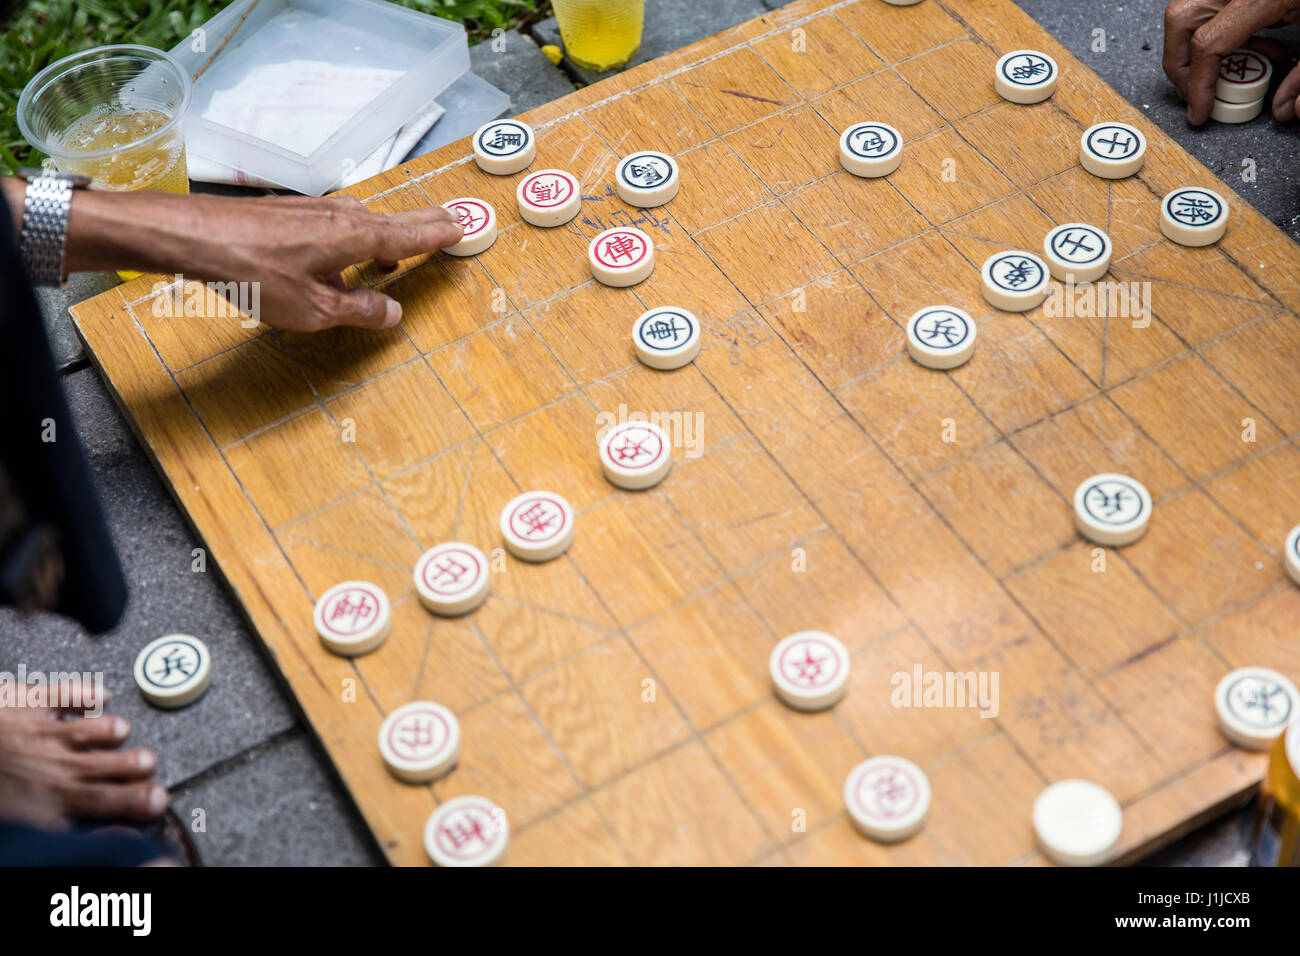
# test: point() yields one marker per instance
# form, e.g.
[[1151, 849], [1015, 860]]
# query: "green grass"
[[39, 32]]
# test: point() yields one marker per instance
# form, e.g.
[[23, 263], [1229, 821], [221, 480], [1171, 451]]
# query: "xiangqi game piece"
[[479, 220], [1025, 76], [452, 579], [502, 147], [420, 741], [636, 455], [352, 618], [941, 336], [1291, 554], [1077, 252], [1255, 705], [1223, 112], [467, 831], [621, 256], [647, 179], [1244, 77], [888, 798], [1014, 281], [1192, 216], [537, 526], [810, 670], [666, 338], [1077, 822], [871, 150], [549, 198], [1112, 509], [1112, 150], [173, 670]]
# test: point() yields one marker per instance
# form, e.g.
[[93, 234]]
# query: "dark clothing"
[[55, 549], [22, 845], [48, 481]]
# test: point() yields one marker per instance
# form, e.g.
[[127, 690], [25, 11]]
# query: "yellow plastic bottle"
[[1276, 841]]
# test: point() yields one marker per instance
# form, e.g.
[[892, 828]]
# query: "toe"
[[85, 732], [95, 765], [131, 801]]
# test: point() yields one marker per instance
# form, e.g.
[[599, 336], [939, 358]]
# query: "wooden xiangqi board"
[[616, 702]]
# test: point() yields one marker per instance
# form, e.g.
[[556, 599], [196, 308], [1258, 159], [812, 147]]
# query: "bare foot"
[[57, 766]]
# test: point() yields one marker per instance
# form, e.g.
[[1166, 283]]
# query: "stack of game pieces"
[[1242, 85]]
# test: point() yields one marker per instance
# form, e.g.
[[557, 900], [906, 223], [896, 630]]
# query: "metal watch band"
[[45, 227]]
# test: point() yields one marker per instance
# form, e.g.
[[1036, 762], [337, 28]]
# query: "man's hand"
[[1199, 33], [295, 247]]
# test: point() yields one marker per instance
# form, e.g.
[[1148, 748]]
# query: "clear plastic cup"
[[600, 34], [114, 114]]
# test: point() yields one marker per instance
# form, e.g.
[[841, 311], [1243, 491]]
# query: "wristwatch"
[[45, 222]]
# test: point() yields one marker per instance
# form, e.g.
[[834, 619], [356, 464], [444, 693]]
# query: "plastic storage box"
[[409, 58]]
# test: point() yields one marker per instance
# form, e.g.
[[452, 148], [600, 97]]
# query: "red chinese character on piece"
[[358, 613], [416, 733], [809, 669], [467, 219], [1241, 67], [889, 791], [622, 246], [449, 570], [463, 831], [630, 450], [543, 190], [537, 518]]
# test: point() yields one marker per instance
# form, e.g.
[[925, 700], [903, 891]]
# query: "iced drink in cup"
[[114, 114], [600, 34]]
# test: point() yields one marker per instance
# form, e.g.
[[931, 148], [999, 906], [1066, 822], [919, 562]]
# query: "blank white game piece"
[[666, 338], [1223, 112], [467, 831], [420, 741], [1112, 150], [1014, 281], [537, 526], [1077, 822], [941, 336], [902, 3], [1244, 77], [452, 578], [888, 798], [549, 198], [479, 220], [621, 256], [1112, 509], [352, 618], [503, 147], [810, 670], [173, 670], [1291, 554], [1255, 705], [647, 179], [1077, 252], [871, 150], [636, 455], [1025, 76], [1192, 216]]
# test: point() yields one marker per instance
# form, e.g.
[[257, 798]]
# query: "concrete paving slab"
[[515, 64], [245, 704], [276, 805]]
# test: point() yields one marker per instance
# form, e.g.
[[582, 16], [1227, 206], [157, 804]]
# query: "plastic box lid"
[[407, 58]]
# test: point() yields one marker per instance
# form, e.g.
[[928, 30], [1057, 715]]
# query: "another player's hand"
[[295, 247], [1199, 33]]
